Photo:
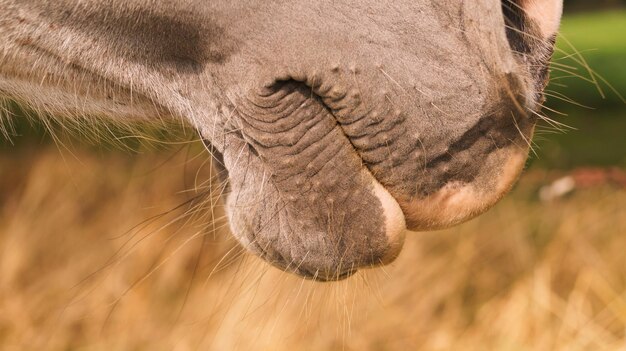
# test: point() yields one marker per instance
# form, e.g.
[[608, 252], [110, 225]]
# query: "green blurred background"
[[587, 90]]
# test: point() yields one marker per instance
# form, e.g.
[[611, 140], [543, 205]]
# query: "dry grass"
[[81, 268]]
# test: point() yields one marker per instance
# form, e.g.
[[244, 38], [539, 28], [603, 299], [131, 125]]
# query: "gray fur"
[[306, 104]]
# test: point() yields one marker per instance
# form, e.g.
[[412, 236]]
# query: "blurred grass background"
[[99, 249], [587, 92]]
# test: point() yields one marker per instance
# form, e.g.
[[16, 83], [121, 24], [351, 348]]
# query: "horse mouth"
[[331, 206]]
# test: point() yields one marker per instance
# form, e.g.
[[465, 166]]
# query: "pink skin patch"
[[395, 224], [457, 202]]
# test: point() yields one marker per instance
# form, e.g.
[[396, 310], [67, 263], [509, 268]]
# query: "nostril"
[[545, 15], [531, 28], [528, 21], [516, 24]]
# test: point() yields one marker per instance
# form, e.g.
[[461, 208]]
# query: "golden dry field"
[[103, 251]]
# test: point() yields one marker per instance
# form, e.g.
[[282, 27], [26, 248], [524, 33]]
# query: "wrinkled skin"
[[337, 125]]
